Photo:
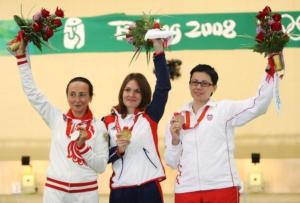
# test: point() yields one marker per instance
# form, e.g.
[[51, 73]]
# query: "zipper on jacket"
[[121, 167], [146, 153]]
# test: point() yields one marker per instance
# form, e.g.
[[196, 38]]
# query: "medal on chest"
[[126, 131]]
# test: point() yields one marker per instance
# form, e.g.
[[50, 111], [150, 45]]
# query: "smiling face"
[[78, 97], [132, 96], [201, 87], [135, 94]]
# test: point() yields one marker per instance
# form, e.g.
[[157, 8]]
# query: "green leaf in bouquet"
[[37, 42], [26, 28], [148, 46], [48, 45], [149, 21], [20, 21], [135, 55]]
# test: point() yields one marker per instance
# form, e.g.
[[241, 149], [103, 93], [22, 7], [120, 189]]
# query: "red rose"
[[261, 15], [59, 12], [36, 27], [45, 13], [156, 25], [260, 37], [48, 32], [44, 36], [267, 10], [276, 17], [57, 22], [276, 26]]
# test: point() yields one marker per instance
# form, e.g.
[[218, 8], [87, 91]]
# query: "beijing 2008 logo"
[[292, 27]]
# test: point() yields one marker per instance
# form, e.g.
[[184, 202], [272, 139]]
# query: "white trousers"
[[56, 196]]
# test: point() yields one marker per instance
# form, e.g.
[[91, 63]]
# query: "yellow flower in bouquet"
[[37, 30]]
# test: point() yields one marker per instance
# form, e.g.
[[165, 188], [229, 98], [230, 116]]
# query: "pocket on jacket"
[[150, 158]]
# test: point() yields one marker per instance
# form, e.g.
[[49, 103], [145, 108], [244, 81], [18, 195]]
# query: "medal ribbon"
[[118, 127], [187, 123], [72, 126], [271, 70]]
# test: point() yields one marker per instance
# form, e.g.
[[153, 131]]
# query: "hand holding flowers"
[[38, 30], [141, 33], [270, 38]]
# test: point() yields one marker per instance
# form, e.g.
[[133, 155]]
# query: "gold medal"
[[126, 133]]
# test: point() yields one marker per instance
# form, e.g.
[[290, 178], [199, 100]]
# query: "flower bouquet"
[[270, 38], [142, 31], [38, 30]]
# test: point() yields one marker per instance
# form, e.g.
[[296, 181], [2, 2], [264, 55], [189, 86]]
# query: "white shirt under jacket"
[[204, 158], [61, 168]]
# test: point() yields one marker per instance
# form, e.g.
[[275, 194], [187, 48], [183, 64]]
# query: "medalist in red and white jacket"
[[204, 158], [70, 169], [141, 162]]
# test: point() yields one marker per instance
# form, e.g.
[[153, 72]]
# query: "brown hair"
[[144, 88], [84, 80]]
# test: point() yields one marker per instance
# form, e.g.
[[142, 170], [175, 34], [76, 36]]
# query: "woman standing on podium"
[[132, 128], [78, 150]]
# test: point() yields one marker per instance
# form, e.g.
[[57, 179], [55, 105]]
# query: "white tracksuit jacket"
[[62, 171], [141, 163], [204, 158]]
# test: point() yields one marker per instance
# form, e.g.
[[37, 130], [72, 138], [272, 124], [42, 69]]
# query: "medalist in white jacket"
[[204, 158], [71, 170]]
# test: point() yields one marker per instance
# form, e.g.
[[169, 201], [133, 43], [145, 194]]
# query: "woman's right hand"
[[175, 128], [122, 143]]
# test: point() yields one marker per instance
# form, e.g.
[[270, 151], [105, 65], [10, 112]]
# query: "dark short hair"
[[144, 88], [208, 70], [82, 79]]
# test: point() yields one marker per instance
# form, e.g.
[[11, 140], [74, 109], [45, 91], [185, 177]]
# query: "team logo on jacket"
[[209, 117]]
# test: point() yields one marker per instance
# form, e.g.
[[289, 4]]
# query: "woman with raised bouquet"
[[78, 150], [200, 136], [132, 128]]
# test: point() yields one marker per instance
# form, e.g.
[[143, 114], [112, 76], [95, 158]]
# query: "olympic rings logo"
[[294, 24]]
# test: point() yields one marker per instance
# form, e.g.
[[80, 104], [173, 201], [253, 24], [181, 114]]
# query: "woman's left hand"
[[158, 45]]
